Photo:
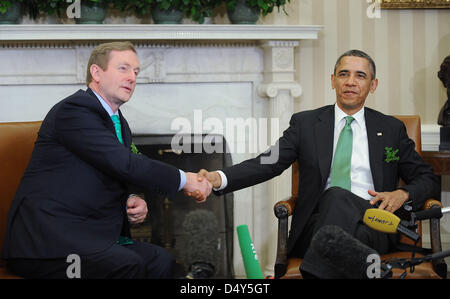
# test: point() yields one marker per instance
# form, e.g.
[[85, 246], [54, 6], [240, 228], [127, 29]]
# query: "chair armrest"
[[439, 266], [431, 203], [285, 208]]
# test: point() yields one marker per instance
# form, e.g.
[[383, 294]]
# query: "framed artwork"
[[391, 4]]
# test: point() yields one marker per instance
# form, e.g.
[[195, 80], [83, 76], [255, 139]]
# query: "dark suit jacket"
[[73, 193], [309, 139]]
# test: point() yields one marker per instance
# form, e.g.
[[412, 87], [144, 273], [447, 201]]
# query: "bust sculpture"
[[444, 76]]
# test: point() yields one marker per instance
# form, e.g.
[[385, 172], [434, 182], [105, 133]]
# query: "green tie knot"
[[348, 121]]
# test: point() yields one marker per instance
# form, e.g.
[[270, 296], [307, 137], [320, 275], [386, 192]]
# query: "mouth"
[[127, 89], [350, 92]]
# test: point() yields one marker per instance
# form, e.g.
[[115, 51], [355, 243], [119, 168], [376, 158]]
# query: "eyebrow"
[[127, 64], [347, 71]]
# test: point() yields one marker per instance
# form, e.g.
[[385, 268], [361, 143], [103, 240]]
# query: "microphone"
[[346, 255], [430, 213], [251, 263], [201, 254], [386, 222]]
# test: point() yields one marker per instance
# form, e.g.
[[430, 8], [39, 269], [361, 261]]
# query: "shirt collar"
[[339, 115], [105, 105]]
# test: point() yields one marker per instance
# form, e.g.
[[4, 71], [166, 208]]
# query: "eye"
[[123, 68]]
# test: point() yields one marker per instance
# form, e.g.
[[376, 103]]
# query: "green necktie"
[[115, 118], [340, 173], [116, 121]]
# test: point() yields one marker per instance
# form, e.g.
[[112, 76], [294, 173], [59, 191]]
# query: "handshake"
[[199, 185]]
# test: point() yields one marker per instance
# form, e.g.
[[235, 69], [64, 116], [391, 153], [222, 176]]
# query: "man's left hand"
[[390, 201], [136, 209]]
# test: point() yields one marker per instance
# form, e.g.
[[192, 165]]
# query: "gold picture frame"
[[399, 4]]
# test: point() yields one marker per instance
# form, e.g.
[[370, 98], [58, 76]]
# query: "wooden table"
[[439, 160]]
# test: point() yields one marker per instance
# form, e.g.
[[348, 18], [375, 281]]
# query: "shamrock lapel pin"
[[134, 149], [391, 155]]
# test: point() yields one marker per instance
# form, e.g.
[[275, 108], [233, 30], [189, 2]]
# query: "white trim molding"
[[79, 32]]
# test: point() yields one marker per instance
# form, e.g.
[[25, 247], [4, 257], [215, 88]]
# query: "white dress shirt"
[[360, 173]]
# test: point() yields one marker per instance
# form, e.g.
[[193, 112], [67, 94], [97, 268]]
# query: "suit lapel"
[[375, 135], [126, 137], [324, 135], [125, 131]]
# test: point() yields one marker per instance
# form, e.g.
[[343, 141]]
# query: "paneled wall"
[[407, 45]]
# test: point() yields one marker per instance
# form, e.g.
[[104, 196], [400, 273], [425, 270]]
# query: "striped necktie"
[[116, 121], [340, 172]]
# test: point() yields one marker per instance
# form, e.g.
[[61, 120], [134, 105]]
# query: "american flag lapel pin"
[[379, 134]]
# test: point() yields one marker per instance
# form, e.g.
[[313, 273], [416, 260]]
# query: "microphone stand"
[[410, 263]]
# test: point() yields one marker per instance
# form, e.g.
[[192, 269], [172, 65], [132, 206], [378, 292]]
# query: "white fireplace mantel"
[[50, 32], [201, 74]]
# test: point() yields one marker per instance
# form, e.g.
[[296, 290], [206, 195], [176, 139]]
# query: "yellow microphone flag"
[[381, 220]]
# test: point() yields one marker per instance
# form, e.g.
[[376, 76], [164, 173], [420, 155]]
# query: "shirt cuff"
[[224, 181], [182, 179]]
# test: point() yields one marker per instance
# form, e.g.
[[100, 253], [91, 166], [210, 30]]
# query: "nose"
[[351, 80], [132, 76]]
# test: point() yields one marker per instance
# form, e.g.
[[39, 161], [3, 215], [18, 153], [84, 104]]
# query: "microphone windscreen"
[[342, 252], [201, 234], [381, 220]]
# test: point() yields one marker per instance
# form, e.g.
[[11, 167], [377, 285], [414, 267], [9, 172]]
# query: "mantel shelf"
[[192, 32]]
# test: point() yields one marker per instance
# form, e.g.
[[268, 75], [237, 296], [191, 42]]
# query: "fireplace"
[[164, 225]]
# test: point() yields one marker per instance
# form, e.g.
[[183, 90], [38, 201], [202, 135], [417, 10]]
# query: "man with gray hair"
[[76, 199]]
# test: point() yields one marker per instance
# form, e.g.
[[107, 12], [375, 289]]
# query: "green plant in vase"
[[138, 7], [238, 9], [10, 11], [201, 9]]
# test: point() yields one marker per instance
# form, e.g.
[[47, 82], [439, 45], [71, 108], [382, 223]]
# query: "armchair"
[[16, 144], [289, 268]]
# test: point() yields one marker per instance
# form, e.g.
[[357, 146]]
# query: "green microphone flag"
[[251, 263]]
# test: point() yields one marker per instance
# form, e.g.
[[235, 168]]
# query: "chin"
[[351, 105]]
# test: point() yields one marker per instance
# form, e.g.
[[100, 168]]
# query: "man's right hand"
[[213, 177], [198, 189]]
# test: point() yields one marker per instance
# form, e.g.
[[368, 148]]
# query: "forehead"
[[126, 56], [352, 63]]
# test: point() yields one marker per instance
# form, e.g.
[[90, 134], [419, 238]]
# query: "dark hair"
[[358, 53], [444, 72]]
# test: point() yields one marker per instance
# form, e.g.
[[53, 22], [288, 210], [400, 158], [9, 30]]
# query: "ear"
[[332, 82], [373, 85], [95, 72]]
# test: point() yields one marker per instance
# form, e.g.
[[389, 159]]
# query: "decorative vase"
[[243, 13], [12, 14], [170, 16], [91, 13]]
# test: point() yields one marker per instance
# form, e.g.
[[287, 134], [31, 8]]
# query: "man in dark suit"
[[337, 190], [76, 197]]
